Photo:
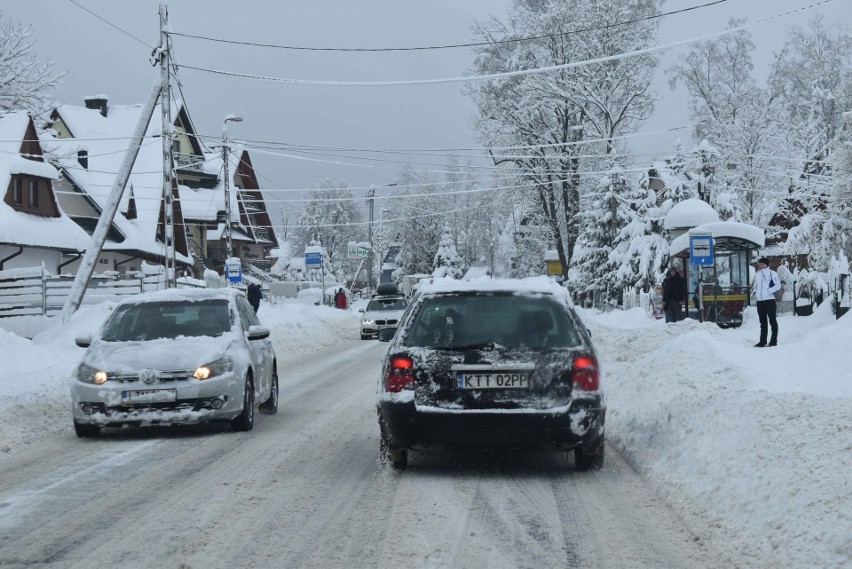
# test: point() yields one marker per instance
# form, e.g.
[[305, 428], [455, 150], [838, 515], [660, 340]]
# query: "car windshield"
[[379, 304], [153, 320], [469, 321]]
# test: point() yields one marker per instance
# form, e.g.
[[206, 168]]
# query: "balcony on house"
[[189, 162]]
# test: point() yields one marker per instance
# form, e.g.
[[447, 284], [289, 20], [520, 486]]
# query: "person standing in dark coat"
[[674, 293], [254, 294]]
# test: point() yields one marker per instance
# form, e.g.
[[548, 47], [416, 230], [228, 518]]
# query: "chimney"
[[83, 158], [97, 102]]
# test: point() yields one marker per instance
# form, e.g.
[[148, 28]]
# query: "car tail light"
[[400, 374], [584, 373]]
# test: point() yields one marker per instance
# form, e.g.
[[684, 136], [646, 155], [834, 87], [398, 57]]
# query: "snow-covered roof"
[[722, 230], [106, 140], [690, 213], [25, 229]]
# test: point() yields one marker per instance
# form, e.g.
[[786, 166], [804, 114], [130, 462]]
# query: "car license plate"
[[150, 396], [492, 380]]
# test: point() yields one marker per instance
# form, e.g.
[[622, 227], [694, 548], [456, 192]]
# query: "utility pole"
[[370, 196], [99, 235], [226, 151], [168, 149]]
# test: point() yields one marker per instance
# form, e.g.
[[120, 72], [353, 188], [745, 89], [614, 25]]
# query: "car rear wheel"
[[270, 406], [396, 457], [86, 430], [591, 458], [245, 420]]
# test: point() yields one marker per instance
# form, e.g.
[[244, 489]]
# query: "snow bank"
[[751, 446]]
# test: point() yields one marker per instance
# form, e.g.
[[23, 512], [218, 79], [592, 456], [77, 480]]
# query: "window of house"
[[17, 191], [33, 193]]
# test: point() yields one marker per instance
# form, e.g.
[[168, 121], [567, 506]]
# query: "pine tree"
[[447, 262]]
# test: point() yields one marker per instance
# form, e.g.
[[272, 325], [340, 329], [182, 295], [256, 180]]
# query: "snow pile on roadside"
[[753, 447]]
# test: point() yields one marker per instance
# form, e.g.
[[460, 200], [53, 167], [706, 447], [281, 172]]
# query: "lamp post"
[[225, 155]]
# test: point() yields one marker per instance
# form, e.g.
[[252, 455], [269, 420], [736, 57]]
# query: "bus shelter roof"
[[727, 236]]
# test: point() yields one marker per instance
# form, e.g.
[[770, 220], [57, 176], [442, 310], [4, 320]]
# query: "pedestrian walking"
[[254, 294], [674, 293], [340, 300], [766, 282]]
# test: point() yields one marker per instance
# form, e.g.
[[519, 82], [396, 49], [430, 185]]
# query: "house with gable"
[[252, 237], [34, 230], [89, 145]]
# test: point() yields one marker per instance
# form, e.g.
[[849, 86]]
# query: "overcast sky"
[[101, 59]]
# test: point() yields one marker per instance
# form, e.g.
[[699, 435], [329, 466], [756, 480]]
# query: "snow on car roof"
[[531, 285], [182, 295]]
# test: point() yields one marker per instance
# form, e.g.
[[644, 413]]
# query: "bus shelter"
[[719, 292]]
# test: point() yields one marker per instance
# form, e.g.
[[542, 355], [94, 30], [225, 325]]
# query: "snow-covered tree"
[[332, 218], [421, 215], [602, 219], [447, 262], [811, 78], [640, 253], [735, 130], [547, 119], [24, 80]]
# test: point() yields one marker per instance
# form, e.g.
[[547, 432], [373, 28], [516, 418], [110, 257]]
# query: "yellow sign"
[[554, 268]]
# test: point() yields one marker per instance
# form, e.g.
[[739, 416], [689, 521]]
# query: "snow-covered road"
[[305, 489]]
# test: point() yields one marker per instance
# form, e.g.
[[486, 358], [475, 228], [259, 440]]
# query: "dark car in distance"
[[491, 362]]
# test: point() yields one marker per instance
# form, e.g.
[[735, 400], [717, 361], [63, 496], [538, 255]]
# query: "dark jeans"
[[673, 310], [766, 309]]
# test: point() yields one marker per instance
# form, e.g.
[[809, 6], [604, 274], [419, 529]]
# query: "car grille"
[[386, 322], [165, 376]]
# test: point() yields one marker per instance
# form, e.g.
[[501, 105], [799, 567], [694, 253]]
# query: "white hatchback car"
[[174, 357]]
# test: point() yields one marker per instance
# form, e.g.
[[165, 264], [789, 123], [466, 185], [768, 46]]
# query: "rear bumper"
[[403, 425]]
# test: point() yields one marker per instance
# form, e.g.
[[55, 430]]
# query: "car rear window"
[[152, 320], [471, 320]]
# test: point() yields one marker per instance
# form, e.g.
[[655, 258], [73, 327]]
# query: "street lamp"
[[225, 156]]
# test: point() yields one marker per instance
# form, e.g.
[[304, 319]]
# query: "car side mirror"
[[386, 334], [84, 339], [361, 310], [258, 332]]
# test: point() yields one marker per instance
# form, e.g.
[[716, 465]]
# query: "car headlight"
[[367, 322], [218, 367], [89, 374]]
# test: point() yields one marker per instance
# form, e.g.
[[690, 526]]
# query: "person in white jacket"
[[766, 282]]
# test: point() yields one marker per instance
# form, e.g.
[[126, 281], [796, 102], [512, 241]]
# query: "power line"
[[450, 46], [506, 74], [125, 32]]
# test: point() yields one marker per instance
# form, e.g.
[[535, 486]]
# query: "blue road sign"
[[701, 249], [234, 271], [313, 259]]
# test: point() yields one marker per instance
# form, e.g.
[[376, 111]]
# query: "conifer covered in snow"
[[638, 259], [447, 262]]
